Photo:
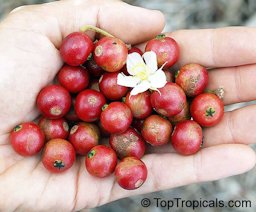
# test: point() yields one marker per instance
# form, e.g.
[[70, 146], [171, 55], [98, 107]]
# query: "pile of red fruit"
[[86, 104]]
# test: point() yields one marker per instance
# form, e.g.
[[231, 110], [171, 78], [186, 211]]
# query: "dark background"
[[184, 14]]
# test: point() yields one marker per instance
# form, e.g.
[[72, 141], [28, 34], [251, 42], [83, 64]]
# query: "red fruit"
[[109, 87], [74, 79], [187, 137], [101, 161], [131, 173], [71, 115], [116, 118], [139, 104], [166, 49], [171, 100], [135, 49], [193, 79], [55, 128], [181, 116], [93, 68], [110, 54], [54, 101], [128, 143], [207, 109], [27, 139], [156, 130], [83, 137], [58, 155], [76, 48], [88, 105]]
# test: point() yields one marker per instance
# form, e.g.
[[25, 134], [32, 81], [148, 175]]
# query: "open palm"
[[29, 60]]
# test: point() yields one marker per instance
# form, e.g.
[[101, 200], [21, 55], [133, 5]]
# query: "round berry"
[[88, 105], [193, 79], [139, 104], [187, 137], [109, 87], [74, 79], [84, 136], [169, 100], [207, 109], [116, 117], [156, 130], [166, 49], [54, 128], [128, 143], [110, 54], [76, 48], [131, 173], [101, 161], [27, 139], [54, 101], [58, 155]]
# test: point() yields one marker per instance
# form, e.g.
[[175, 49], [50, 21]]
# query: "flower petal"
[[151, 60], [141, 87], [127, 81], [157, 80], [133, 60]]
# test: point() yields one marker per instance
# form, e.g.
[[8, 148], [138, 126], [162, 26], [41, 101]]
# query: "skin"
[[29, 39]]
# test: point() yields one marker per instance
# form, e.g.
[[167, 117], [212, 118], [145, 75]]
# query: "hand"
[[29, 42]]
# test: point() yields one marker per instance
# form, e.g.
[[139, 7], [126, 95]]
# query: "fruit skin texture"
[[84, 136], [54, 128], [193, 79], [76, 48], [139, 104], [27, 139], [170, 102], [131, 173], [88, 105], [129, 143], [101, 161], [207, 109], [74, 79], [58, 155], [166, 49], [109, 87], [53, 101], [187, 137], [116, 118], [156, 130], [110, 54], [181, 116]]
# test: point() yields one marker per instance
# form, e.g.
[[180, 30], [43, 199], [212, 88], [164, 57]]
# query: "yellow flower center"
[[141, 71]]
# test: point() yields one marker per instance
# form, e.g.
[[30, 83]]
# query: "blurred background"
[[184, 14]]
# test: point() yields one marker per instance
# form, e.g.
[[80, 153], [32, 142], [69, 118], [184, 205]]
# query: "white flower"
[[144, 75]]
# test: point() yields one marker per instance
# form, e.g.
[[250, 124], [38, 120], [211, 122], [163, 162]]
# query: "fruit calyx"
[[210, 112], [95, 29], [59, 164], [91, 154], [104, 107], [160, 36]]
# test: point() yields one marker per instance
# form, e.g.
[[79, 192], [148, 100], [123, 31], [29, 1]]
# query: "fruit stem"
[[218, 92], [104, 107], [160, 36], [95, 29]]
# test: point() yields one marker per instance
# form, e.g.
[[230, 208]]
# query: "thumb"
[[57, 19]]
